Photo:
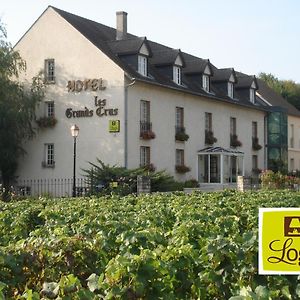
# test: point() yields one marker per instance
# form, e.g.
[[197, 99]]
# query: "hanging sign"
[[279, 241]]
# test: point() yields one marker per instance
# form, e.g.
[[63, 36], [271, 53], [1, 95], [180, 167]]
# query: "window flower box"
[[234, 142], [180, 134], [46, 122], [255, 145], [147, 135], [182, 169], [209, 138]]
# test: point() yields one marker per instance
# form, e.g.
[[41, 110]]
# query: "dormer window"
[[142, 65], [205, 82], [230, 89], [252, 95], [177, 75]]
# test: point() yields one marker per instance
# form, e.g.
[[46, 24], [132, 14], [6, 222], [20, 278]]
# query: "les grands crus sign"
[[100, 104]]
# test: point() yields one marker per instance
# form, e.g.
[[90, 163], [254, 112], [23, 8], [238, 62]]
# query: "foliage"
[[147, 135], [106, 179], [277, 180], [181, 136], [288, 89], [209, 138], [17, 109], [159, 246], [182, 169], [255, 144], [234, 141], [46, 122]]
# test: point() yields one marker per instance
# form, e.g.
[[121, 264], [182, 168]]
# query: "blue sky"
[[250, 36]]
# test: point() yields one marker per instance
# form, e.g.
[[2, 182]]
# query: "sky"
[[250, 36]]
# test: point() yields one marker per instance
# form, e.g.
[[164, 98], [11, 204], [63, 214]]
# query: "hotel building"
[[141, 103]]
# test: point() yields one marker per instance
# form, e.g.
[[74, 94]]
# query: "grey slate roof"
[[128, 46], [223, 75], [104, 38], [275, 99]]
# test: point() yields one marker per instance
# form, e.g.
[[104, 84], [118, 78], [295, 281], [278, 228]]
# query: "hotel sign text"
[[84, 85]]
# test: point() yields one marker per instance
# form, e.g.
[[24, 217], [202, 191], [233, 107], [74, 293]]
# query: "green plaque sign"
[[114, 125]]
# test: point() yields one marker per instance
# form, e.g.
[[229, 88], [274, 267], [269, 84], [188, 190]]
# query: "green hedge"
[[159, 246]]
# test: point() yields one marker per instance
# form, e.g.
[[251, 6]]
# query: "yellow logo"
[[279, 241]]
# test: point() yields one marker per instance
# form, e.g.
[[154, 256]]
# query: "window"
[[205, 82], [230, 89], [142, 65], [144, 156], [254, 129], [49, 71], [177, 75], [208, 121], [179, 157], [145, 111], [254, 162], [233, 126], [179, 119], [145, 116], [292, 136], [49, 156], [50, 109], [252, 95]]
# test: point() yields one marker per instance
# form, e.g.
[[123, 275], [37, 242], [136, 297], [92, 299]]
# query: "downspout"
[[126, 86]]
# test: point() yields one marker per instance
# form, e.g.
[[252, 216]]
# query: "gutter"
[[126, 86]]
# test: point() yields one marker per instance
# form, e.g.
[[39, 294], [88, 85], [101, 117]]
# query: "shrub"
[[105, 179]]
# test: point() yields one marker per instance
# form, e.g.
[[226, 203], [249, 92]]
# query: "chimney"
[[121, 25]]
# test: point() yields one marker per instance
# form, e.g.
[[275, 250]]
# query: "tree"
[[17, 109], [288, 89]]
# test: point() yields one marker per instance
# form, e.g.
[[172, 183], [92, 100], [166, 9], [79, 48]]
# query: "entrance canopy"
[[219, 165]]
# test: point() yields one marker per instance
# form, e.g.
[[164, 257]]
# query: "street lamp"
[[74, 132]]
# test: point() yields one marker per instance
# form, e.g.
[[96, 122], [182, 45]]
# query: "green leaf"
[[93, 282], [262, 292], [286, 292]]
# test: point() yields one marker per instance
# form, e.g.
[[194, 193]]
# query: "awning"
[[220, 150]]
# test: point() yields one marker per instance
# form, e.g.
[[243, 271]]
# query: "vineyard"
[[159, 246]]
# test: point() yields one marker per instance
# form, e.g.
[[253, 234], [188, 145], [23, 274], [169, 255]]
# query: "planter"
[[147, 135], [182, 169], [181, 136], [234, 142], [46, 122], [255, 145], [209, 138]]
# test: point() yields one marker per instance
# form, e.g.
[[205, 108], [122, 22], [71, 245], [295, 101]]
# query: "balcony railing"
[[146, 132]]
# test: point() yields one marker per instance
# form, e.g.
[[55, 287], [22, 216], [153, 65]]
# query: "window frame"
[[145, 156], [177, 74], [143, 65], [49, 70], [179, 157], [206, 82], [230, 89], [50, 109], [233, 125], [252, 95], [254, 129], [49, 155], [208, 121]]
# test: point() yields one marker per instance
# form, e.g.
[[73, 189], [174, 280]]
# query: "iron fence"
[[61, 187]]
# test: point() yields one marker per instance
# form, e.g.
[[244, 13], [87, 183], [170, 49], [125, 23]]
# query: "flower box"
[[147, 135], [234, 142], [209, 138], [46, 122], [182, 169], [255, 145]]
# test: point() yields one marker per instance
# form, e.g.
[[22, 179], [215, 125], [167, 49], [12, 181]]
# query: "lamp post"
[[74, 132]]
